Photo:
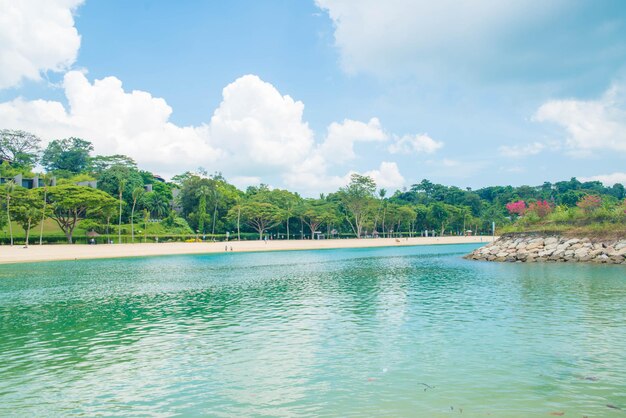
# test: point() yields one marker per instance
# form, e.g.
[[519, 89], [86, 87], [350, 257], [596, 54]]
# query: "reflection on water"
[[369, 332]]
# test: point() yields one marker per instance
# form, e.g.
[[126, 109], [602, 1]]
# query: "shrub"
[[541, 207], [589, 203]]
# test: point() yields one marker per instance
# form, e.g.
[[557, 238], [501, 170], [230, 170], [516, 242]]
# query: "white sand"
[[18, 254]]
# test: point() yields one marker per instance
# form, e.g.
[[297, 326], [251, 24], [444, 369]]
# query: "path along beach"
[[37, 253]]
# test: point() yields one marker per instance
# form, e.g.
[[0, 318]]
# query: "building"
[[36, 182]]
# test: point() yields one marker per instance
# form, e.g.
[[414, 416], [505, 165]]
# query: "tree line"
[[129, 199]]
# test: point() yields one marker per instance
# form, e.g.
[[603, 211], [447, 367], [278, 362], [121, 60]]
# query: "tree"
[[517, 208], [70, 203], [46, 181], [101, 163], [406, 215], [20, 148], [589, 203], [9, 188], [137, 194], [202, 193], [26, 209], [68, 154], [439, 213], [156, 204], [284, 199], [357, 198], [260, 216], [314, 213], [120, 189]]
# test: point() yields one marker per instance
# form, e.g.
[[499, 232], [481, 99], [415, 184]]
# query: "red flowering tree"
[[541, 207], [517, 208], [589, 203]]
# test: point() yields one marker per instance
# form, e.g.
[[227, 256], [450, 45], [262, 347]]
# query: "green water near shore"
[[412, 331]]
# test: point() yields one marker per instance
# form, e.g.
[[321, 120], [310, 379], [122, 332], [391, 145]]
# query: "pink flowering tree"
[[517, 208], [589, 203], [541, 207]]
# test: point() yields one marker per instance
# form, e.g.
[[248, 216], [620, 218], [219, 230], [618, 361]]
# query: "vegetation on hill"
[[131, 205]]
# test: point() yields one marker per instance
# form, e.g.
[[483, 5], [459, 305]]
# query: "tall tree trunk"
[[214, 217], [119, 224], [238, 222], [43, 214], [288, 227], [132, 223], [9, 218], [383, 223], [27, 233]]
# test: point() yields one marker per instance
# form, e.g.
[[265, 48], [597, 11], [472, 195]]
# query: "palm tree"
[[120, 189], [108, 213], [156, 204], [9, 187], [382, 193], [137, 193]]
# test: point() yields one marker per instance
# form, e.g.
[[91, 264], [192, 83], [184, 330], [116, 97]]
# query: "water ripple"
[[367, 332]]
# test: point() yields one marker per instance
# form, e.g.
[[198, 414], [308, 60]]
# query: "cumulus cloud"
[[414, 144], [36, 36], [388, 175], [312, 177], [258, 128], [608, 179], [341, 137], [255, 132], [590, 124], [115, 121], [516, 151]]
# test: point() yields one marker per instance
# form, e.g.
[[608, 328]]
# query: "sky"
[[301, 94]]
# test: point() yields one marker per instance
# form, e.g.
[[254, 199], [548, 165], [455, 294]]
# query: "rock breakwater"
[[552, 248]]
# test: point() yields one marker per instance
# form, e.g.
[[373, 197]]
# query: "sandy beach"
[[36, 253]]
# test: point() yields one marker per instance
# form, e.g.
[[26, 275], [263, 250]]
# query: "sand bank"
[[35, 253]]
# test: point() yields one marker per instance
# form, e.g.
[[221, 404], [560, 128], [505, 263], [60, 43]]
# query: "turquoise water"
[[412, 331]]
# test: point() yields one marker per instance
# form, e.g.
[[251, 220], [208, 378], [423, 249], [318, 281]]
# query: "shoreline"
[[68, 252]]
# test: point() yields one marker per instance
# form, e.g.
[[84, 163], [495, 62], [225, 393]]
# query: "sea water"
[[393, 332]]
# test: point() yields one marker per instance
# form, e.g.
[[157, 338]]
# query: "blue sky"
[[301, 94]]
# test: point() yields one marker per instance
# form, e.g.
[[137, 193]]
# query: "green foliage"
[[20, 148], [68, 154], [69, 204], [101, 163]]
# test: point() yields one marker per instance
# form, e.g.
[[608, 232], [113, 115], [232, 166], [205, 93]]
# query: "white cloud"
[[388, 175], [608, 179], [135, 123], [242, 182], [254, 133], [516, 151], [408, 36], [590, 124], [36, 36], [258, 129], [311, 177], [339, 143], [418, 144]]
